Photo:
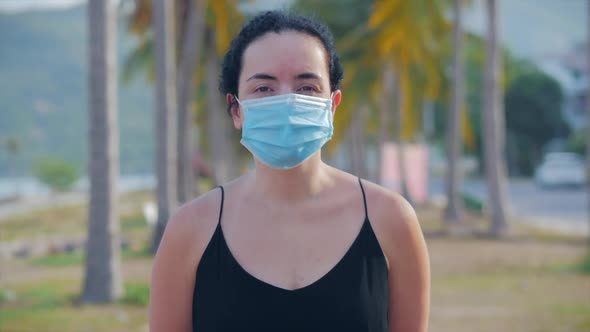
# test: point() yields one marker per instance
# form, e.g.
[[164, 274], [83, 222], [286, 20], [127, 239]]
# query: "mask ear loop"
[[232, 104]]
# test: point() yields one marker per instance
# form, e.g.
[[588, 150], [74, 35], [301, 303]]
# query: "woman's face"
[[281, 63]]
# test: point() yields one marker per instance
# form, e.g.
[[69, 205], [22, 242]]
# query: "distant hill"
[[43, 76], [43, 97]]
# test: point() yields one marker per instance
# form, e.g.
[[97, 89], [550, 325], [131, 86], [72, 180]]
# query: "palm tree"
[[222, 17], [454, 209], [103, 280], [219, 127], [13, 148], [407, 36], [190, 48], [358, 141], [166, 120], [385, 98], [398, 132], [588, 110], [493, 127], [377, 37], [223, 22]]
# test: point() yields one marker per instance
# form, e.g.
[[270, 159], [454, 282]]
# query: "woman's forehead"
[[284, 54]]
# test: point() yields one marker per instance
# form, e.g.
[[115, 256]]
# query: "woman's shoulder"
[[194, 222], [197, 212], [387, 205], [393, 220], [191, 226], [383, 204]]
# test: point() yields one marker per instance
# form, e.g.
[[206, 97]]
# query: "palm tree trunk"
[[219, 137], [166, 120], [192, 40], [401, 151], [358, 158], [13, 148], [403, 170], [385, 116], [588, 115], [454, 209], [428, 121], [102, 280], [492, 127]]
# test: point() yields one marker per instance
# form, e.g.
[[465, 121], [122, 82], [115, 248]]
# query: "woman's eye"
[[308, 89], [262, 89]]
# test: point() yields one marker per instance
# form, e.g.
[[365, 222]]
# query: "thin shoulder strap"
[[364, 199], [221, 206]]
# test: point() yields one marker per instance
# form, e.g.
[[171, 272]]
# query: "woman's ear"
[[234, 110], [336, 99]]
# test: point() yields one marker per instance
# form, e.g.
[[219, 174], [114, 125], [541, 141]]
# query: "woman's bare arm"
[[409, 275], [175, 264], [401, 239]]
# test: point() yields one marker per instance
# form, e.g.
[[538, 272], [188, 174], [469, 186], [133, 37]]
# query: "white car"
[[561, 169]]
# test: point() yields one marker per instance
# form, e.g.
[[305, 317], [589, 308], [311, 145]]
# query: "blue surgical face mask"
[[284, 131]]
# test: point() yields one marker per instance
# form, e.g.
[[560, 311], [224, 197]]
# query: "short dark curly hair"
[[276, 21]]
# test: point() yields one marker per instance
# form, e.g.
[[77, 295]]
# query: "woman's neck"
[[289, 186]]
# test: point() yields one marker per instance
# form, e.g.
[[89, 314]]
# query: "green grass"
[[77, 257], [59, 260], [112, 318], [52, 306], [480, 281], [139, 253], [584, 265], [46, 294], [59, 292], [136, 294], [569, 308], [134, 222], [70, 220], [63, 221], [5, 295]]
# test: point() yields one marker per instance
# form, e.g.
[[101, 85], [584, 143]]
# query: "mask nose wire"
[[237, 100]]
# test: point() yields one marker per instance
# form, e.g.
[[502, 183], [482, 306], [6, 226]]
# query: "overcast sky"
[[533, 28], [530, 28], [19, 5]]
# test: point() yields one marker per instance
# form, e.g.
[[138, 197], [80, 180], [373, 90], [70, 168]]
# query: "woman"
[[295, 245]]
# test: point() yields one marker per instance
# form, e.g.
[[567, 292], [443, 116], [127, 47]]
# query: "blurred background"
[[475, 110]]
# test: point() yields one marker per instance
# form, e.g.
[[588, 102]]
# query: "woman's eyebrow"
[[307, 76], [261, 76]]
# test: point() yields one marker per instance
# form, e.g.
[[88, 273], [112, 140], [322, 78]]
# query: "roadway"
[[564, 209]]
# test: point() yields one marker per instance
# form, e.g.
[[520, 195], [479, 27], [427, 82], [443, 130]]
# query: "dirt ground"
[[522, 283], [503, 285], [477, 285]]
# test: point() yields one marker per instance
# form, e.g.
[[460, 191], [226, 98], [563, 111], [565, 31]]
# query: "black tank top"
[[352, 296]]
